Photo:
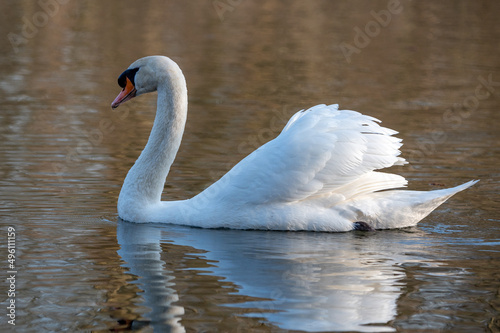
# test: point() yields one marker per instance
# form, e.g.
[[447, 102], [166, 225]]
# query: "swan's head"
[[143, 76]]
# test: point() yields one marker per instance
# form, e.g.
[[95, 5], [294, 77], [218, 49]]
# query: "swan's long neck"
[[145, 180]]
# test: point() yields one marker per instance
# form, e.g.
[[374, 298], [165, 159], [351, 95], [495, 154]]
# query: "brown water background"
[[429, 69]]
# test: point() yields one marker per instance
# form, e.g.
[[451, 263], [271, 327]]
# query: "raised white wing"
[[321, 153]]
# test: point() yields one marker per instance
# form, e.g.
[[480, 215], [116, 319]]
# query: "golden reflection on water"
[[249, 68]]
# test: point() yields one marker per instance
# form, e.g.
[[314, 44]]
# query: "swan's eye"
[[130, 74]]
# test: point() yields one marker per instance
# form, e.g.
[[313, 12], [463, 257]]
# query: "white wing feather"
[[322, 154]]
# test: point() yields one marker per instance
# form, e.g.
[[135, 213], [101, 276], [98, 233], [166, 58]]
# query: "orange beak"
[[126, 94]]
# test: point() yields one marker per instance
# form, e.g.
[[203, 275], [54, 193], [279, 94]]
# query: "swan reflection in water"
[[303, 281]]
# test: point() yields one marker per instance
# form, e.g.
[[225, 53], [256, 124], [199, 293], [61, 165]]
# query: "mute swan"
[[318, 174]]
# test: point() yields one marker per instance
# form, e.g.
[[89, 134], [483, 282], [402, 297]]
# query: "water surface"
[[424, 71]]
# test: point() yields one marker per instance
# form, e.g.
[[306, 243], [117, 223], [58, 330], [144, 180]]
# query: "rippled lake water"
[[428, 69]]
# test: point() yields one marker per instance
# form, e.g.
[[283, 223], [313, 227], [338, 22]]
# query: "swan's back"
[[320, 154], [310, 177]]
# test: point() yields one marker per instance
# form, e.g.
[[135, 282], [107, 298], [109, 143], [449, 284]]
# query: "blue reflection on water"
[[306, 281]]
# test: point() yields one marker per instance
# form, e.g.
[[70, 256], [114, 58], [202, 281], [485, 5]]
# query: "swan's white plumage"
[[320, 151], [318, 174]]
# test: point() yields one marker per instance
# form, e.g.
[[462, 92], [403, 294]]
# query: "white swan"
[[318, 174]]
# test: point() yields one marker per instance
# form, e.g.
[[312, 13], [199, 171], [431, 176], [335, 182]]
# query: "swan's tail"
[[400, 208]]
